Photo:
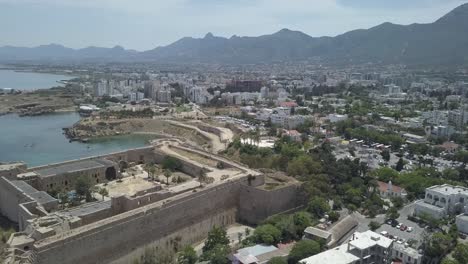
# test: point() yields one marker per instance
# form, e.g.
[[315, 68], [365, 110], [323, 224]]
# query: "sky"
[[146, 24]]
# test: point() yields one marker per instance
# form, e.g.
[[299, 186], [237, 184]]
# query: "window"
[[462, 200]]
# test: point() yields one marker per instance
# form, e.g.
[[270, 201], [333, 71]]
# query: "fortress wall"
[[124, 203], [26, 211], [132, 155], [186, 236], [67, 181], [10, 199], [206, 155], [255, 205], [139, 155], [119, 236], [187, 167], [209, 129]]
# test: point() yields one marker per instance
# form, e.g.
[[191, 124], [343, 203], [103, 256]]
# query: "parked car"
[[409, 230], [403, 228], [399, 225], [462, 236]]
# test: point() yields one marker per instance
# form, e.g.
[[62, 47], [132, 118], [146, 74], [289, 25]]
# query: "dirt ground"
[[60, 99]]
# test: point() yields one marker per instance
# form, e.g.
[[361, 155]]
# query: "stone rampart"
[[256, 204], [10, 199], [115, 237]]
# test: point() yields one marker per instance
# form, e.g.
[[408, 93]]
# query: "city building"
[[405, 255], [458, 118], [333, 236], [462, 222], [388, 190], [442, 200], [334, 118], [365, 247]]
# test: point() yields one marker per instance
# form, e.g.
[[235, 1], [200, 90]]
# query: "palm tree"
[[202, 176], [103, 192], [167, 174], [152, 170]]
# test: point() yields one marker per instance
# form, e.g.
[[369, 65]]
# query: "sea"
[[28, 81], [39, 140]]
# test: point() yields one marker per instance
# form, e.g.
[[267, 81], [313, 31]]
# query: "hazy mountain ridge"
[[443, 42]]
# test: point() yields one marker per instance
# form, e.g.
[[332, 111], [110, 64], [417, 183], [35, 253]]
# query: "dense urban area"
[[279, 163]]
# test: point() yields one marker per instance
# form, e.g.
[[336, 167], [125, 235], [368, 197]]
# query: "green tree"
[[187, 256], [167, 174], [462, 156], [386, 155], [103, 192], [398, 202], [278, 260], [439, 244], [461, 253], [303, 249], [318, 206], [374, 225], [400, 165], [83, 187], [301, 221], [217, 255], [267, 234], [448, 260], [392, 213], [334, 216], [216, 236], [171, 163], [63, 198]]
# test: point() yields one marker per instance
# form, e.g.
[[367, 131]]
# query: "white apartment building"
[[462, 222], [363, 248], [458, 118], [100, 89], [442, 200], [405, 254], [334, 118]]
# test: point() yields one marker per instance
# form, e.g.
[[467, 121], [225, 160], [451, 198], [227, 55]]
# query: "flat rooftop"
[[88, 209], [317, 232], [24, 187], [413, 253], [38, 196], [369, 239], [338, 255], [74, 167], [449, 189]]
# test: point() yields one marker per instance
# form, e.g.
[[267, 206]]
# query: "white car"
[[409, 229], [398, 226]]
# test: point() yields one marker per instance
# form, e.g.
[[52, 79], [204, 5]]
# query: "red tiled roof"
[[288, 104], [383, 187]]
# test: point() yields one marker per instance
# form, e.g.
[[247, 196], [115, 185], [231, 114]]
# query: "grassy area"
[[183, 108]]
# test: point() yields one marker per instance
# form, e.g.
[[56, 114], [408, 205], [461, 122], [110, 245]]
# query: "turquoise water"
[[29, 81], [39, 140]]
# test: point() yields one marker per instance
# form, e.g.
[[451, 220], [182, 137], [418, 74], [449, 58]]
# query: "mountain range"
[[443, 42]]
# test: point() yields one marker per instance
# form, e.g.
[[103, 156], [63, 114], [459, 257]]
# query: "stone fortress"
[[118, 229]]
